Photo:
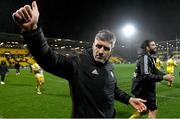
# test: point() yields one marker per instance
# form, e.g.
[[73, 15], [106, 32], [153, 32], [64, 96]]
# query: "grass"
[[18, 98], [168, 99]]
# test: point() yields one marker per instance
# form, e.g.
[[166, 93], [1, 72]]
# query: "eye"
[[99, 46], [106, 48]]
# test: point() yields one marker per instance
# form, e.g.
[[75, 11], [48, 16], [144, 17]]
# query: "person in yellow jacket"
[[170, 68], [158, 63], [39, 77]]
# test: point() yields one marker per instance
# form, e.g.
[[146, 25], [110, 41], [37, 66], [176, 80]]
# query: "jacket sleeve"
[[158, 72], [121, 95], [7, 69], [48, 59], [147, 72]]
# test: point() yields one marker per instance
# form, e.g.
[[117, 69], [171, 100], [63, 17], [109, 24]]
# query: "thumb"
[[142, 100], [34, 5]]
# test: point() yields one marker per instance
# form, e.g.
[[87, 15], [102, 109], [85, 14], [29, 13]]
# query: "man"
[[90, 75], [3, 71], [145, 77], [17, 67], [170, 68], [158, 63], [36, 69]]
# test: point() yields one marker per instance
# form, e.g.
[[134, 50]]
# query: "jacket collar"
[[89, 53]]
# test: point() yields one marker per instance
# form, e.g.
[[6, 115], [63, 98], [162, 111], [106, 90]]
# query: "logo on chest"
[[95, 72]]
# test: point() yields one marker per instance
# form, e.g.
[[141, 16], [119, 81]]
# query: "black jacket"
[[93, 86], [145, 76], [17, 66], [3, 69]]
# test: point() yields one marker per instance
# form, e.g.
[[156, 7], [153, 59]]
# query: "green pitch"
[[18, 96]]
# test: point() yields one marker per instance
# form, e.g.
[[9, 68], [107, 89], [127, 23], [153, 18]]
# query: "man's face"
[[101, 50], [152, 47]]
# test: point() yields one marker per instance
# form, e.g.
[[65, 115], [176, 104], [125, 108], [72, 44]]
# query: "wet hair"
[[145, 44], [106, 35]]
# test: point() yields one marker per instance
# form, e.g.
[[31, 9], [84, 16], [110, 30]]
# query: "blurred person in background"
[[17, 67], [158, 63], [3, 71], [36, 69], [171, 63]]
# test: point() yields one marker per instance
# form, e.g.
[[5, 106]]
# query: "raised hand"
[[27, 17]]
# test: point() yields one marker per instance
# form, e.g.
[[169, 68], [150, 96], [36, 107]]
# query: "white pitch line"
[[176, 98], [56, 80]]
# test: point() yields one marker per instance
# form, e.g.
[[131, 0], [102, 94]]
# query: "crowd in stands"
[[24, 58], [11, 56]]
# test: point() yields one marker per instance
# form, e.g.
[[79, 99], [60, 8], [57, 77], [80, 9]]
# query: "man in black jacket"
[[145, 77], [90, 75], [17, 67], [3, 71]]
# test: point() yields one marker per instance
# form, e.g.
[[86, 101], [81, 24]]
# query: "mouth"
[[99, 57]]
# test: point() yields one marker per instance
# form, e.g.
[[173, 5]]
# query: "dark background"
[[80, 20]]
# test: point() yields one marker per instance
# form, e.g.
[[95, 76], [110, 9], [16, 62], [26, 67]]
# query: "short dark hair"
[[106, 35], [145, 44]]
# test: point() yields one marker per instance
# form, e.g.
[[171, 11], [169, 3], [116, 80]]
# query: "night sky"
[[80, 20]]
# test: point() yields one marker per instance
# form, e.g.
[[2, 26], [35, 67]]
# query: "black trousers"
[[17, 70], [2, 77]]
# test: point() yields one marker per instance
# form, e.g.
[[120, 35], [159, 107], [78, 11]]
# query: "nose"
[[101, 50]]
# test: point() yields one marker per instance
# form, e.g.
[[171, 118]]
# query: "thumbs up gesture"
[[27, 17]]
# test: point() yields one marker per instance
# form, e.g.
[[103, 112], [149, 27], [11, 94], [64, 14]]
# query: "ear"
[[93, 45], [147, 48]]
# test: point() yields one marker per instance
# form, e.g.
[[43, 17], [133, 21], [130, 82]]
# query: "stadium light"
[[2, 43], [128, 30], [127, 33], [59, 39]]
